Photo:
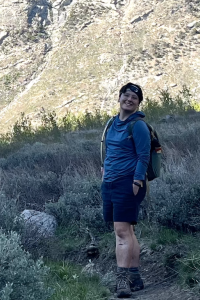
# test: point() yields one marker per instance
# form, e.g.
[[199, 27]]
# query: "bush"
[[166, 104], [21, 277], [9, 215], [50, 129], [34, 174], [176, 196], [81, 205], [29, 175], [32, 191]]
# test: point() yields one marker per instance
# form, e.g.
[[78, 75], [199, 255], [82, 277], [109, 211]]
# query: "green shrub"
[[9, 215], [38, 173], [6, 292], [85, 120], [175, 195], [21, 277], [32, 190], [49, 125], [167, 105], [176, 205], [81, 204], [51, 129], [22, 129]]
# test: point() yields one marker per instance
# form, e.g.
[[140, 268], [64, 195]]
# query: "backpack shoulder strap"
[[153, 134], [108, 124], [132, 123]]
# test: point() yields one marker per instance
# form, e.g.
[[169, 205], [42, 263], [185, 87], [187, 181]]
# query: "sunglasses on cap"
[[133, 88]]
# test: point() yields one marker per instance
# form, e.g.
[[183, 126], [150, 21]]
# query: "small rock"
[[173, 84], [3, 35], [136, 19], [191, 25]]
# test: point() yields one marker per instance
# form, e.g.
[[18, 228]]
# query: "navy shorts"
[[119, 202]]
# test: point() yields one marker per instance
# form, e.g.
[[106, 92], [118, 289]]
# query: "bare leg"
[[124, 244], [127, 254], [136, 250]]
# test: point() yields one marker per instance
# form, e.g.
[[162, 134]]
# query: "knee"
[[121, 231]]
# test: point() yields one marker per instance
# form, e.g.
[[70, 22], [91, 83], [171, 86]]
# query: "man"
[[124, 184]]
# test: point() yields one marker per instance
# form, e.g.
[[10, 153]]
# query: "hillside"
[[70, 55]]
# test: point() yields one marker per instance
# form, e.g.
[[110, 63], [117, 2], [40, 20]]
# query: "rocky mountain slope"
[[72, 55]]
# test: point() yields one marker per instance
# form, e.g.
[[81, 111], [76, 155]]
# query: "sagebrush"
[[21, 277]]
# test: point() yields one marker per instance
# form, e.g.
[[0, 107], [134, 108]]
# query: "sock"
[[120, 269], [134, 270]]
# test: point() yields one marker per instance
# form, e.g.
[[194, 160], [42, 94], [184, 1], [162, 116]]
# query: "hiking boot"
[[123, 284], [136, 282]]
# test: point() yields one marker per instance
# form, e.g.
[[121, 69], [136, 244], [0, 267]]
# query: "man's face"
[[129, 101]]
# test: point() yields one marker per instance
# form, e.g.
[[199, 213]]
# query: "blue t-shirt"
[[124, 155]]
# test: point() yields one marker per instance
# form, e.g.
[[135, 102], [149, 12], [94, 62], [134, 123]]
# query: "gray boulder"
[[168, 119], [39, 224]]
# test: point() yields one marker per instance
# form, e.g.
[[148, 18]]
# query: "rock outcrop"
[[75, 54]]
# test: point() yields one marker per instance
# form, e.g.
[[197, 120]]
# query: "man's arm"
[[142, 141]]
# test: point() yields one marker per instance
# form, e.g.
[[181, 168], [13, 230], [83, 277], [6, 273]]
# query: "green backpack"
[[153, 170]]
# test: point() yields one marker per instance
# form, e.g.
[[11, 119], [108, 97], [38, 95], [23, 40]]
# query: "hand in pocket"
[[135, 189]]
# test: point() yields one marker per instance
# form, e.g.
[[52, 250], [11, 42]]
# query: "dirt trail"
[[159, 269], [163, 291], [160, 286], [160, 281]]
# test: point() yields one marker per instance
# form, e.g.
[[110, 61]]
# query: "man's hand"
[[136, 186]]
